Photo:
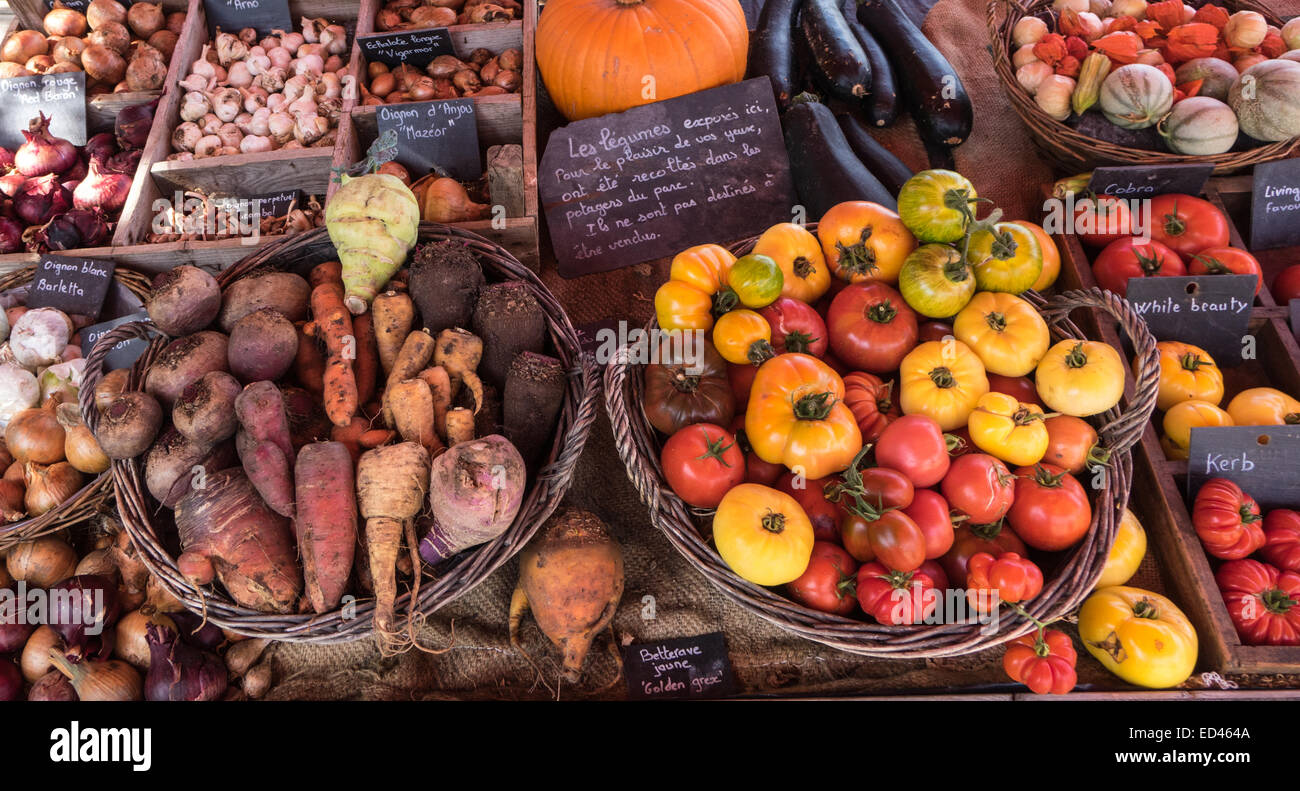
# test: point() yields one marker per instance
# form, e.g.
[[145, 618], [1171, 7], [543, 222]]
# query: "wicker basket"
[[456, 576], [91, 498], [1076, 152], [638, 445]]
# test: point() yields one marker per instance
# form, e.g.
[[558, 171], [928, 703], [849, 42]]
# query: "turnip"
[[475, 490]]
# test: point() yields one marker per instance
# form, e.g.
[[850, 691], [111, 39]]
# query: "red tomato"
[[878, 487], [896, 597], [1263, 602], [896, 541], [1226, 261], [1282, 539], [796, 327], [1013, 577], [871, 326], [936, 573], [756, 470], [1102, 220], [701, 463], [824, 514], [915, 446], [837, 365], [1286, 286], [979, 486], [854, 536], [828, 582], [969, 539], [1227, 520], [934, 331], [1051, 510], [1043, 663], [741, 378], [1130, 257], [1021, 388], [931, 513], [1187, 224]]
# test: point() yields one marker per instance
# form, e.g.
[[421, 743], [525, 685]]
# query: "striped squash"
[[1217, 76], [1199, 126], [1136, 96], [1266, 99]]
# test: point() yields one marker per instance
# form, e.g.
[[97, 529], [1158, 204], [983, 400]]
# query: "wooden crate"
[[1159, 485], [509, 118]]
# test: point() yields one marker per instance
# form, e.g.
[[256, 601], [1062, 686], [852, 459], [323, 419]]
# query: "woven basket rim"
[[354, 620]]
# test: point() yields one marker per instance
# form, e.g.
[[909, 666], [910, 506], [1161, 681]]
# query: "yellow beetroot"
[[373, 221]]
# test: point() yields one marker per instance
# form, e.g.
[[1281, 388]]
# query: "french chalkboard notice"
[[649, 182], [271, 204], [62, 97], [416, 47], [441, 133], [1275, 205], [687, 667], [124, 353], [1262, 460], [234, 15], [1144, 181], [1212, 309], [73, 285]]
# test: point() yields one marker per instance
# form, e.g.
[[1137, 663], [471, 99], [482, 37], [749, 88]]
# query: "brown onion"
[[421, 89], [432, 16], [480, 56], [165, 42], [42, 562], [17, 473], [176, 22], [147, 71], [508, 80], [11, 501], [110, 386], [39, 64], [393, 168], [383, 84], [445, 66], [103, 64], [35, 659], [65, 22], [113, 35], [9, 70], [49, 487], [79, 445], [35, 435], [145, 19], [466, 81], [376, 68], [511, 60], [405, 74], [131, 644], [24, 45], [387, 19], [68, 50], [111, 680], [98, 562], [101, 11]]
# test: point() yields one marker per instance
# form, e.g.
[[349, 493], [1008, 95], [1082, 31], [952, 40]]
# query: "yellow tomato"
[[1185, 416], [1080, 378], [1006, 332], [799, 254], [864, 241], [1003, 427], [1140, 636], [763, 534], [797, 416], [743, 337], [1126, 553], [1051, 256], [704, 266], [696, 277], [942, 380], [1264, 406], [1187, 372]]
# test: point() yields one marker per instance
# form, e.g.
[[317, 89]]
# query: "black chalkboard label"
[[1275, 205], [1144, 181], [650, 182], [1211, 311], [75, 5], [62, 97], [234, 15], [73, 285], [416, 47], [688, 667], [271, 204], [1262, 460], [589, 337], [124, 353], [442, 133]]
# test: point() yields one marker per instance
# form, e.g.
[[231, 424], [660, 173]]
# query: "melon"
[[1217, 76], [1136, 96], [1266, 99], [1199, 126], [1292, 54]]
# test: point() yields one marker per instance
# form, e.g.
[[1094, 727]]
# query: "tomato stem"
[[1145, 608], [773, 522], [684, 382], [1076, 358], [1277, 601], [1247, 515], [814, 406], [996, 321], [1098, 456], [1174, 225], [1004, 246], [942, 377], [1291, 418], [857, 258], [881, 312], [1193, 361], [760, 351], [802, 267], [725, 301], [714, 448], [798, 341]]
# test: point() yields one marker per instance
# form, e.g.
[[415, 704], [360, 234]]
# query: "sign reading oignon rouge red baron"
[[649, 182]]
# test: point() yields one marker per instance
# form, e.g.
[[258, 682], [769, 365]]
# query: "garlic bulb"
[[1134, 8], [1031, 75], [1029, 30], [1053, 96]]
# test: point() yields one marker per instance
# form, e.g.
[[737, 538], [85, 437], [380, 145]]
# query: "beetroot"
[[184, 300], [263, 346], [183, 362]]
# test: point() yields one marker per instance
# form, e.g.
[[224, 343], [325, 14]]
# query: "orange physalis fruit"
[[1069, 67], [1120, 23], [1122, 47], [1212, 15], [1076, 47], [1148, 30], [1190, 88], [1051, 48], [1272, 46], [1193, 40], [1168, 13]]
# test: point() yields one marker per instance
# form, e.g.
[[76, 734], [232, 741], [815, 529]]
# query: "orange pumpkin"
[[605, 56]]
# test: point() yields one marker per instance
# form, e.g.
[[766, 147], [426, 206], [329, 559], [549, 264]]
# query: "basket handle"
[[1125, 430], [94, 368]]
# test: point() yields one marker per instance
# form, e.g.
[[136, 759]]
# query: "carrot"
[[332, 324], [460, 352], [268, 468], [309, 365], [326, 525], [394, 315], [440, 389], [264, 422], [350, 436], [328, 272], [413, 414], [366, 366], [460, 426], [391, 485], [416, 352], [376, 437]]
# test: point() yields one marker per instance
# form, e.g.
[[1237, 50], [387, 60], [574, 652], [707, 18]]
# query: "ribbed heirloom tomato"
[[872, 402], [1014, 578], [969, 539], [1006, 333], [701, 463], [1080, 378], [1263, 602], [1005, 259], [864, 241], [1187, 224], [1044, 662], [796, 327], [936, 281], [1264, 406], [1187, 372], [1227, 520], [1282, 539], [942, 380], [1008, 429], [937, 204], [696, 289], [1051, 510], [1184, 416], [743, 337], [896, 598], [797, 417], [1126, 258], [679, 392], [799, 255], [1140, 636]]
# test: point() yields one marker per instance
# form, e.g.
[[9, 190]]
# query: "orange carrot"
[[460, 426], [350, 435], [394, 315], [376, 437], [366, 366], [309, 365], [328, 272], [332, 324]]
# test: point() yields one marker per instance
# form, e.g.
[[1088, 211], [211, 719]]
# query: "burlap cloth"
[[481, 664]]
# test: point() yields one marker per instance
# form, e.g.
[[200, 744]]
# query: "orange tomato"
[[1051, 256], [1187, 372], [1264, 406], [864, 241], [799, 254], [797, 416], [1185, 416]]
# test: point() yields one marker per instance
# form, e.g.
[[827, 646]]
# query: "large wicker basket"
[[1074, 151], [91, 498], [639, 445], [458, 575]]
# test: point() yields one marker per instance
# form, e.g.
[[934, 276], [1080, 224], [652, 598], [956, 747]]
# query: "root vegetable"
[[445, 283], [130, 644], [475, 491], [227, 532], [268, 468], [184, 300], [326, 523], [460, 426], [332, 326], [307, 421], [534, 396], [373, 221], [365, 368], [394, 315], [509, 320], [50, 487], [205, 411], [446, 200], [171, 459], [262, 416], [391, 485], [243, 654], [284, 291], [488, 418], [181, 363], [416, 353], [111, 680], [79, 445], [440, 392], [459, 352], [309, 364], [413, 414], [262, 345], [179, 671], [571, 576], [128, 425]]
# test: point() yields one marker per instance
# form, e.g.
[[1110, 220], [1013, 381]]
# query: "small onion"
[[111, 680], [42, 562], [113, 35], [49, 487], [64, 22], [131, 644], [35, 659], [79, 445], [101, 11], [53, 686], [24, 45], [34, 435]]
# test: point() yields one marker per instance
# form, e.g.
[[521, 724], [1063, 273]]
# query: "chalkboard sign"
[[1211, 311], [73, 285], [76, 5], [1275, 205], [589, 334], [442, 133], [1144, 181], [62, 97], [652, 181], [124, 353], [688, 667], [1262, 460], [234, 15], [271, 204], [416, 47]]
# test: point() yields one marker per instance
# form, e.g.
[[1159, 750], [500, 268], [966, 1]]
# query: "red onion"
[[102, 189], [76, 229], [133, 123], [40, 199], [124, 162], [181, 672], [52, 686], [11, 681], [11, 235], [11, 182], [196, 631], [75, 173], [43, 153], [6, 158], [101, 145], [13, 634], [93, 606]]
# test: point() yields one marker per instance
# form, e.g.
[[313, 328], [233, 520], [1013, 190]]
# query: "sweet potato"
[[205, 411], [571, 576], [268, 468], [284, 291], [326, 523], [228, 532], [262, 345], [183, 362], [509, 320], [475, 490]]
